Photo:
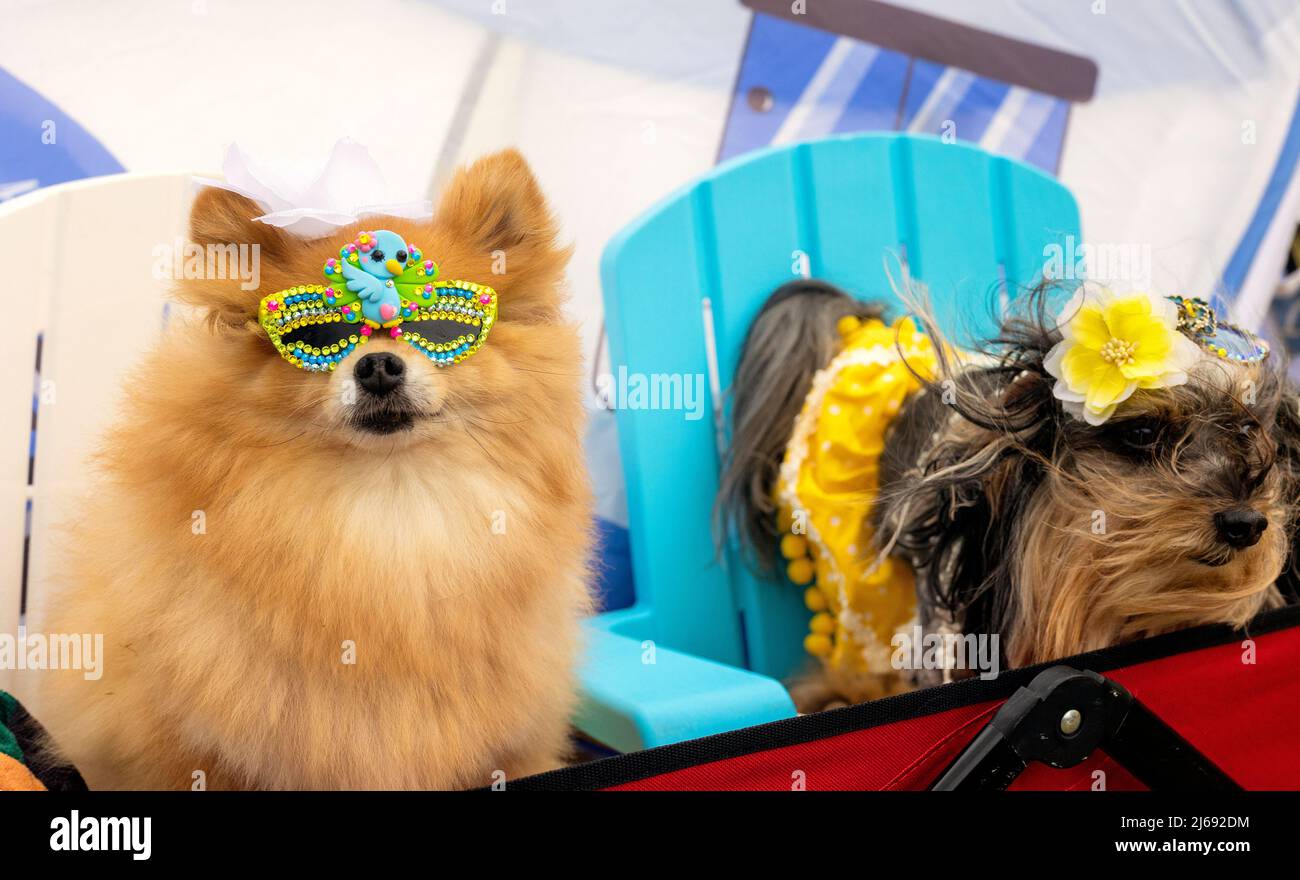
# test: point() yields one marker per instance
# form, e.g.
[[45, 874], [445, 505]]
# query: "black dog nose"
[[379, 373], [1240, 527]]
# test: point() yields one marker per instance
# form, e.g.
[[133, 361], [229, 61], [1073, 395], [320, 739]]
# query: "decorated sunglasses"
[[378, 282]]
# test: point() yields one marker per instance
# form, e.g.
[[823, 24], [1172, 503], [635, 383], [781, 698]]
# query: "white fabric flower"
[[349, 187]]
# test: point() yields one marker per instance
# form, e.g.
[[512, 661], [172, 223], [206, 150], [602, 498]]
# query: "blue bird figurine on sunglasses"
[[382, 256]]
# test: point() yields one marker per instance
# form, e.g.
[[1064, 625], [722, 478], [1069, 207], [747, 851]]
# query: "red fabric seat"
[[1237, 701]]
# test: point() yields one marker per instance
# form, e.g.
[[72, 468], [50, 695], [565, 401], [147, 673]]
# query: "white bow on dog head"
[[348, 188]]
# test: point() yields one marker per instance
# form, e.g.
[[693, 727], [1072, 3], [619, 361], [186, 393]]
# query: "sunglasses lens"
[[443, 340], [320, 346], [309, 329], [321, 336]]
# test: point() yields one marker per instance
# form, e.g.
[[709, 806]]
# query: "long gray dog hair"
[[794, 335]]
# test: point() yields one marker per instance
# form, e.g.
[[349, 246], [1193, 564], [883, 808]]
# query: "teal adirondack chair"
[[704, 645]]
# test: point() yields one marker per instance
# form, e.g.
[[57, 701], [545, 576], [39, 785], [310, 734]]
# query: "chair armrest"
[[629, 703]]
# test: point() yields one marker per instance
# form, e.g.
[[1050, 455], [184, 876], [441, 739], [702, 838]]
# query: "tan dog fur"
[[224, 650]]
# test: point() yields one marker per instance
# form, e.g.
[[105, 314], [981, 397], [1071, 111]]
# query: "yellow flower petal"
[[1089, 327], [1152, 356], [1080, 365], [1106, 388], [1126, 308], [1096, 417]]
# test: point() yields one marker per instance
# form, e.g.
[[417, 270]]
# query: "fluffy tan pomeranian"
[[324, 580]]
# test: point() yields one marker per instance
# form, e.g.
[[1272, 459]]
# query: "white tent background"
[[616, 104]]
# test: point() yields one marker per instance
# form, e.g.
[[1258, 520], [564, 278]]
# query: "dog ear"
[[960, 509], [221, 222], [982, 578], [494, 213], [1286, 434], [969, 524]]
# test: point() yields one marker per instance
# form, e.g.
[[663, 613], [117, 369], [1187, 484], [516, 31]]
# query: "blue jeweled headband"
[[1196, 319]]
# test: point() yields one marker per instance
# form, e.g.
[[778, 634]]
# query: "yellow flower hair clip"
[[1112, 345]]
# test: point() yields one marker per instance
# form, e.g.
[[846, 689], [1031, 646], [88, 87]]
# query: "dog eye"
[[377, 256], [1140, 434]]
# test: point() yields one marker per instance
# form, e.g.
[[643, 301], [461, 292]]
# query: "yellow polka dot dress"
[[826, 491]]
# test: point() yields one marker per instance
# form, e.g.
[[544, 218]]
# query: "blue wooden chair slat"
[[967, 224], [854, 178], [661, 333], [954, 247]]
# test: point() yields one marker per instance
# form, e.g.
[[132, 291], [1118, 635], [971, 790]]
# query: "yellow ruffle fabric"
[[826, 491]]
